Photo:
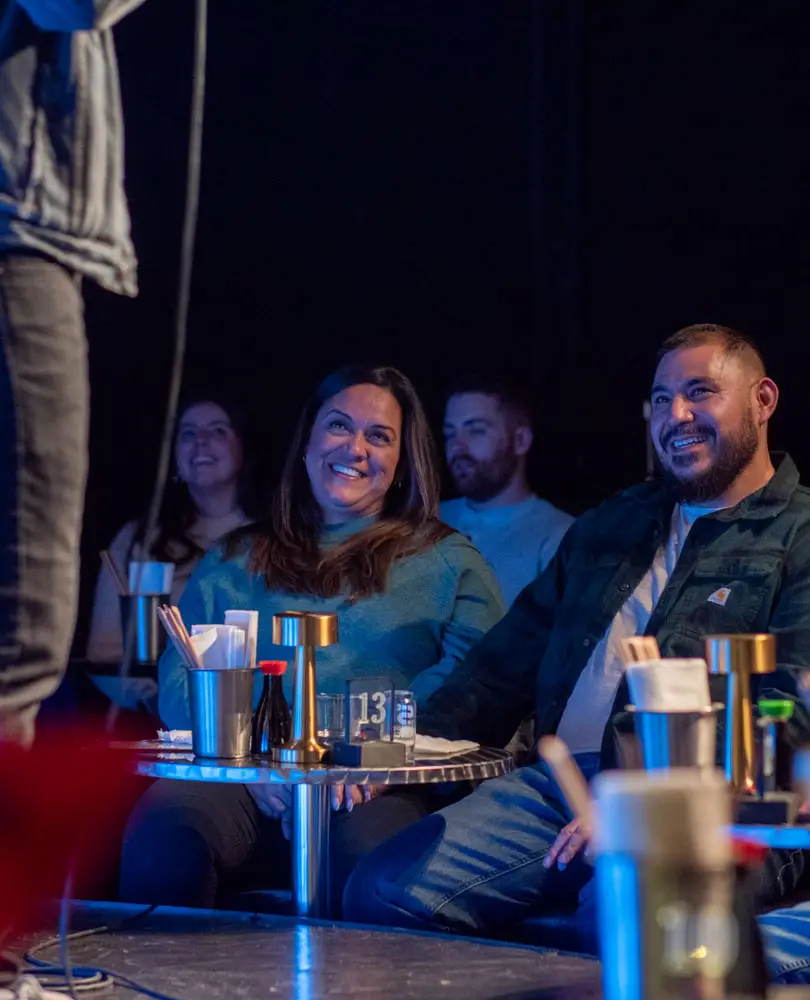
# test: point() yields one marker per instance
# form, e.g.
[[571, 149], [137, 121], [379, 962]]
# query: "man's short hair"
[[735, 344], [512, 396]]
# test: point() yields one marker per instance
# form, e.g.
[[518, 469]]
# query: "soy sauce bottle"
[[271, 720]]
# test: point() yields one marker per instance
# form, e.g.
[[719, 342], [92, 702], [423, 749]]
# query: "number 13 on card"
[[379, 712], [368, 708]]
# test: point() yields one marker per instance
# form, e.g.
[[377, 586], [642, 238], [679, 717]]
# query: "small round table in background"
[[784, 837], [311, 800]]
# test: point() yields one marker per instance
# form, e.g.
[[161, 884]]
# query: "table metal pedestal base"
[[311, 792], [310, 850]]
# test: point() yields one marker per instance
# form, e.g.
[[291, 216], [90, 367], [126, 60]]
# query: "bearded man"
[[720, 543], [487, 438]]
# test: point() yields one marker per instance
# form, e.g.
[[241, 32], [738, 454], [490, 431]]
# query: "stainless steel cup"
[[677, 739], [221, 712], [150, 635]]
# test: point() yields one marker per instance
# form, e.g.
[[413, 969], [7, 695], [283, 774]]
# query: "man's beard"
[[733, 456], [481, 481]]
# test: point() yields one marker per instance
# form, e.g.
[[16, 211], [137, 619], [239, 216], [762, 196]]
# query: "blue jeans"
[[476, 865], [786, 934], [44, 408]]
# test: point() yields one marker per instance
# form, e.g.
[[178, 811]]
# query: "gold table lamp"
[[738, 658], [307, 631]]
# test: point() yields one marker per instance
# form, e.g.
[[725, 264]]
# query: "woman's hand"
[[356, 795], [275, 802]]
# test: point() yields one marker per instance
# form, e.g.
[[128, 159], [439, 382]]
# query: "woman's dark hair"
[[178, 512], [285, 548]]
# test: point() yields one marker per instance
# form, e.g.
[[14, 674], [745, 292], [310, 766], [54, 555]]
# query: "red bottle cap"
[[747, 853], [273, 668]]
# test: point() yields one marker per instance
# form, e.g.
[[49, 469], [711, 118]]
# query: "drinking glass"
[[331, 720], [405, 719]]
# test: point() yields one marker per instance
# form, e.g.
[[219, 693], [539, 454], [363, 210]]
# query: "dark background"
[[547, 185]]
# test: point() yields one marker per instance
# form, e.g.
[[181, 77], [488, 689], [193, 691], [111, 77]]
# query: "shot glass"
[[331, 719]]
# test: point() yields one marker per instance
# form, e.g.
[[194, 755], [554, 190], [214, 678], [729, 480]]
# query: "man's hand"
[[356, 795], [571, 840], [274, 801], [18, 727]]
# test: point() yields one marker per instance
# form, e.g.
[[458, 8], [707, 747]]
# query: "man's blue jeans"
[[475, 865], [478, 865], [786, 934]]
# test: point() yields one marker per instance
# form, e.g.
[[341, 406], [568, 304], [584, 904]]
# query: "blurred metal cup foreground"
[[150, 635], [664, 884], [221, 712], [664, 740]]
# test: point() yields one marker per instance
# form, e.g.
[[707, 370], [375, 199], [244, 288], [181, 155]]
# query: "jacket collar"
[[772, 499]]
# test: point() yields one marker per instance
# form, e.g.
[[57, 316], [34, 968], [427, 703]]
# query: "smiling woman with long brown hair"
[[333, 476], [353, 530]]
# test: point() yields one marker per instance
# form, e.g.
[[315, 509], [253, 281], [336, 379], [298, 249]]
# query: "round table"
[[788, 837], [310, 796]]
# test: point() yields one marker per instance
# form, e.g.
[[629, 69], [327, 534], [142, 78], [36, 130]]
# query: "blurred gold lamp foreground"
[[738, 658], [307, 631]]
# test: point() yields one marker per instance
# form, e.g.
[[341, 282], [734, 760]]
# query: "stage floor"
[[205, 955]]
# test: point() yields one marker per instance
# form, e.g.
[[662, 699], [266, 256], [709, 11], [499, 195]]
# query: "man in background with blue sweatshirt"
[[488, 435]]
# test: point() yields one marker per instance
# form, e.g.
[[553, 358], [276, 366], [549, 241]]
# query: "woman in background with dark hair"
[[208, 497], [354, 531]]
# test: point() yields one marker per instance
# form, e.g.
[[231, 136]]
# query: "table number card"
[[369, 709]]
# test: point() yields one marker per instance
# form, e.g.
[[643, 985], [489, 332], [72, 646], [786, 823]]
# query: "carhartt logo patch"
[[720, 596]]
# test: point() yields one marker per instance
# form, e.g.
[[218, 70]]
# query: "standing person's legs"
[[474, 866], [44, 407]]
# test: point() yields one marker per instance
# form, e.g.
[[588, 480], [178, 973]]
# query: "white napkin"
[[219, 647], [434, 746], [203, 642], [177, 737], [669, 685], [248, 621], [151, 577]]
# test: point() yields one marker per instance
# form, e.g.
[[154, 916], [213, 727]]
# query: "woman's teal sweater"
[[436, 606]]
